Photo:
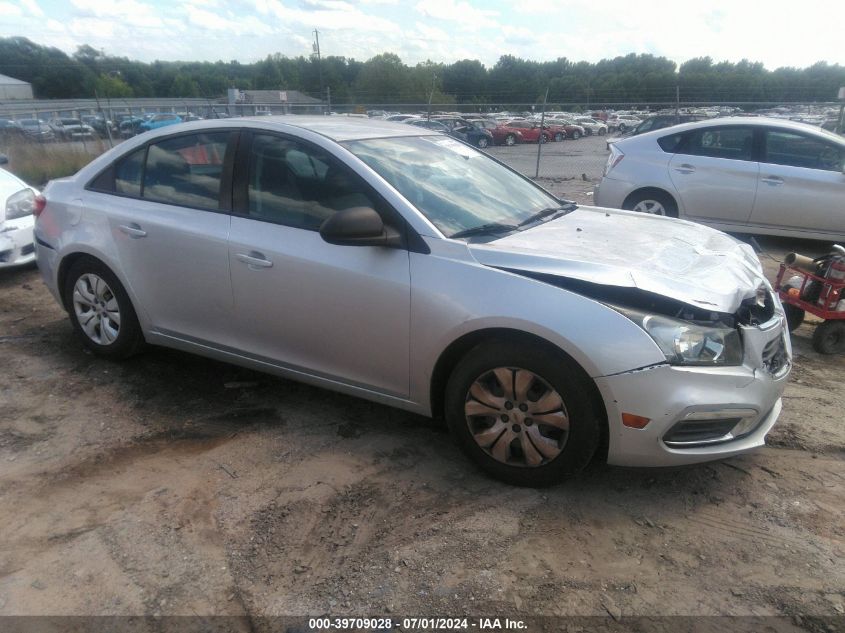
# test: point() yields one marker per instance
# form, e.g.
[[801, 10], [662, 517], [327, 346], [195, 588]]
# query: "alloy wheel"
[[516, 417], [96, 309], [653, 207]]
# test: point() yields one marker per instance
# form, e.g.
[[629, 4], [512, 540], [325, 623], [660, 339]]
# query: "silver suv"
[[403, 266]]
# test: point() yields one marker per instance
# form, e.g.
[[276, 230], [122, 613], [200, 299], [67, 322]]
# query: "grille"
[[28, 249]]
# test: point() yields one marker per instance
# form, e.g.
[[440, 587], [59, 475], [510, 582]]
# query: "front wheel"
[[559, 137], [544, 138], [100, 310], [510, 139], [622, 127], [576, 135], [522, 413], [483, 142], [602, 131], [829, 337]]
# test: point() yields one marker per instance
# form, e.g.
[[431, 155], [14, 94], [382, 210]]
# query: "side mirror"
[[359, 226], [4, 160]]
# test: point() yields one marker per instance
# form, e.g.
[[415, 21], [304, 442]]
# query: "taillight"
[[38, 206], [614, 159]]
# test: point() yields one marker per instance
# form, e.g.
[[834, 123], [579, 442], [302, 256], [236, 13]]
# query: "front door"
[[801, 184], [338, 312]]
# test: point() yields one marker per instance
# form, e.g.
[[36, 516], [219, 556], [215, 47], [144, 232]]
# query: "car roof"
[[338, 129], [737, 120]]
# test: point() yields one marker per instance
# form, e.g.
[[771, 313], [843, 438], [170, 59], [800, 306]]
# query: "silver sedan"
[[402, 266]]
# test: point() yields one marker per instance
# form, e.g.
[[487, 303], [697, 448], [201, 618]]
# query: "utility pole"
[[430, 95], [319, 60], [677, 103], [542, 131], [841, 127], [329, 99]]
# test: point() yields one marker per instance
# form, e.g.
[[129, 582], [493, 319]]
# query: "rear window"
[[670, 143]]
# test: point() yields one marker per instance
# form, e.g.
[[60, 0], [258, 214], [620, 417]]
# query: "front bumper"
[[670, 396], [16, 247]]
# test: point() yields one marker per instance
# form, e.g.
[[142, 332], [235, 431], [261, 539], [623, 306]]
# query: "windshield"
[[453, 185]]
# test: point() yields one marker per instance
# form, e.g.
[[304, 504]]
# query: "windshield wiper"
[[544, 213], [492, 227]]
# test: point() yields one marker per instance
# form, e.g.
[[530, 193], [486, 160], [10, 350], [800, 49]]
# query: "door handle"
[[133, 230], [772, 180], [254, 260], [685, 168]]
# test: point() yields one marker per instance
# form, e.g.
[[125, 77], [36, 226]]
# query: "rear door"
[[801, 183], [715, 175], [168, 211]]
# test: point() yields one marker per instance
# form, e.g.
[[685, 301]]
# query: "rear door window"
[[734, 142], [186, 170]]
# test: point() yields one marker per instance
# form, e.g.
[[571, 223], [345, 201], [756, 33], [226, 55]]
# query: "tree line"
[[386, 79]]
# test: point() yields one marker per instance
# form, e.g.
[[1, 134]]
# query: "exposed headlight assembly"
[[688, 343], [20, 204]]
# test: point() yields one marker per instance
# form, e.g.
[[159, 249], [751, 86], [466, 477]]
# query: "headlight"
[[20, 204], [688, 343]]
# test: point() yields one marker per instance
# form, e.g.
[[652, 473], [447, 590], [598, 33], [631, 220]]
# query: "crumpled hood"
[[681, 260]]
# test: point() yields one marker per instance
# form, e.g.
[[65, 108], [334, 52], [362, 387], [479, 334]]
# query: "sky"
[[775, 32]]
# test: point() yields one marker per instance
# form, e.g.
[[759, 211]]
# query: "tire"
[[510, 139], [652, 202], [112, 331], [602, 131], [544, 138], [794, 316], [568, 437], [576, 135], [829, 337], [483, 142], [559, 137], [622, 127]]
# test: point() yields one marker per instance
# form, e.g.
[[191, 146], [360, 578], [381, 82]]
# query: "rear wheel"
[[576, 135], [829, 337], [544, 138], [100, 310], [602, 131], [652, 202], [521, 412], [510, 139], [622, 127], [559, 137], [483, 142]]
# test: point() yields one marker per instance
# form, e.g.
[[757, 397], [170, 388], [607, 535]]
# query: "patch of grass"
[[38, 163]]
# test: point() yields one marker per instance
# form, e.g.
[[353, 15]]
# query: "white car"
[[17, 201], [624, 122], [592, 126], [765, 176]]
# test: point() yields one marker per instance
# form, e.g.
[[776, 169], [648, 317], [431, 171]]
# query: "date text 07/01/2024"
[[421, 624]]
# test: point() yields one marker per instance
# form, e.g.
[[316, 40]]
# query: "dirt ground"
[[172, 484]]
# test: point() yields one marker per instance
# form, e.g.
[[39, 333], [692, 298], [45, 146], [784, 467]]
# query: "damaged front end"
[[689, 335]]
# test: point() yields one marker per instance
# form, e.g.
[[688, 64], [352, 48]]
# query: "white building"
[[11, 88]]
